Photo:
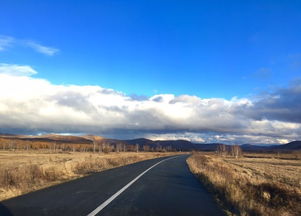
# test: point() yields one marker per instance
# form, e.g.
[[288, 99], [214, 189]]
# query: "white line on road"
[[107, 202]]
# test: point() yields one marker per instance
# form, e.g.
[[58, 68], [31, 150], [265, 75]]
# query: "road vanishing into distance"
[[161, 186]]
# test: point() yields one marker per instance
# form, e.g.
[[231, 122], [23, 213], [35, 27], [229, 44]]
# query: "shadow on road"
[[4, 211]]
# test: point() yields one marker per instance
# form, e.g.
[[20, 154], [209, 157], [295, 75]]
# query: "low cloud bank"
[[32, 105], [284, 104]]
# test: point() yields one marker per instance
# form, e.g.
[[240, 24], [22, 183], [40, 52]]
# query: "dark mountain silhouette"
[[185, 145], [295, 145], [178, 145], [50, 138], [250, 147]]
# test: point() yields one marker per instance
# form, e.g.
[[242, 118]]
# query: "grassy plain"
[[25, 171], [256, 184]]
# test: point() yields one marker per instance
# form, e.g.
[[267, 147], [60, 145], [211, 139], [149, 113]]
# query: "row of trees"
[[100, 146], [233, 150], [94, 146]]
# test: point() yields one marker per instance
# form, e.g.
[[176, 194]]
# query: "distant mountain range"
[[188, 146], [179, 145], [295, 145]]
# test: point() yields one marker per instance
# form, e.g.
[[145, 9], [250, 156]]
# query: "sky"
[[204, 71]]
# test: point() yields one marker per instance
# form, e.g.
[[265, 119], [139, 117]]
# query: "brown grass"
[[254, 185], [22, 172]]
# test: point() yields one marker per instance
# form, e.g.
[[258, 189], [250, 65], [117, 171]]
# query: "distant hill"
[[50, 138], [250, 147], [92, 137], [175, 144], [185, 145], [295, 145], [179, 145]]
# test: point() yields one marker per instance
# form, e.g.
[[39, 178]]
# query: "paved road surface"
[[166, 189]]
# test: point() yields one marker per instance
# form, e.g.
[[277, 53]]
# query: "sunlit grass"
[[251, 185], [24, 171]]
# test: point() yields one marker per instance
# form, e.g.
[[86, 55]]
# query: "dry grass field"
[[25, 171], [256, 184]]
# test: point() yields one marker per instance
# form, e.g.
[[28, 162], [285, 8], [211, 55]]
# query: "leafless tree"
[[236, 151], [221, 149], [146, 148], [137, 148]]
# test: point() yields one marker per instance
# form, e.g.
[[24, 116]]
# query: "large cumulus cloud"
[[32, 105], [283, 104]]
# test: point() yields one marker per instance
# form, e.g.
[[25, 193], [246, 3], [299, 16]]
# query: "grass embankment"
[[251, 185], [22, 172]]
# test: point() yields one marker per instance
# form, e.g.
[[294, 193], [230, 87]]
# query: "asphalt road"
[[167, 189]]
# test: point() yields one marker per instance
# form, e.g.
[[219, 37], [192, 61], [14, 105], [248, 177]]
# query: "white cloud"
[[33, 105], [5, 42], [42, 49], [193, 137], [8, 41], [18, 70]]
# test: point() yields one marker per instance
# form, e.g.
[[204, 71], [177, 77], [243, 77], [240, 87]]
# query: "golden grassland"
[[25, 171], [255, 184]]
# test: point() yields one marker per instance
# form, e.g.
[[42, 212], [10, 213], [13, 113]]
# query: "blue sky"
[[208, 49], [203, 48]]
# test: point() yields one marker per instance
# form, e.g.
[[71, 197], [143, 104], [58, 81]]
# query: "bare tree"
[[236, 151], [94, 144], [146, 148], [118, 147], [54, 147], [221, 149], [99, 148]]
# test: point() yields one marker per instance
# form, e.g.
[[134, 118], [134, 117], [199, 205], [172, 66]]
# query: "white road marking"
[[108, 201]]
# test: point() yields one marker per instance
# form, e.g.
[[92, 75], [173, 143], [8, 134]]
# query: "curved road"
[[168, 188]]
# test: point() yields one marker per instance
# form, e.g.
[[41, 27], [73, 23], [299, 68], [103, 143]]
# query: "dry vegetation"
[[256, 184], [25, 171], [74, 144]]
